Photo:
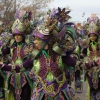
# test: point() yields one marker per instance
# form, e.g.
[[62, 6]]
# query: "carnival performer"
[[51, 43], [1, 72], [92, 52], [77, 52], [19, 62]]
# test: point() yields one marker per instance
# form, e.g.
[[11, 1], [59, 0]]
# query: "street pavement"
[[82, 95]]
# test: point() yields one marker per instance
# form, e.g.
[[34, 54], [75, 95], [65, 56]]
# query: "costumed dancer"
[[50, 54], [92, 52], [77, 52], [20, 62], [1, 59]]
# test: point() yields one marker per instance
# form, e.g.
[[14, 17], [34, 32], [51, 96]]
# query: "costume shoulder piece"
[[53, 30]]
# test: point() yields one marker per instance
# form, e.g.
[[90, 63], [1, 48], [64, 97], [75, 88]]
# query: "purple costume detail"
[[27, 65], [6, 51], [54, 68], [69, 60], [15, 54], [16, 31], [19, 71], [44, 37]]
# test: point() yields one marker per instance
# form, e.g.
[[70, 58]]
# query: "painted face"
[[93, 37], [39, 43], [18, 38]]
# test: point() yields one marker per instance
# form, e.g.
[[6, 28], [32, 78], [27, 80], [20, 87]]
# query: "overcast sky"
[[79, 7]]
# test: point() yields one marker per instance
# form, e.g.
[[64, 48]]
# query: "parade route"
[[49, 50], [82, 95]]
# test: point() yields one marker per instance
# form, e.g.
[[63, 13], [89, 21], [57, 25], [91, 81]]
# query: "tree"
[[8, 7], [37, 6]]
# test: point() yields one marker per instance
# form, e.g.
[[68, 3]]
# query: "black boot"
[[1, 93], [78, 86]]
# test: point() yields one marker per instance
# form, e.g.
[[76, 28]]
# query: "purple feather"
[[53, 13], [16, 16]]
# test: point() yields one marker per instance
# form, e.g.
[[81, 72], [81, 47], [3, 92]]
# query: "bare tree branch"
[[8, 7]]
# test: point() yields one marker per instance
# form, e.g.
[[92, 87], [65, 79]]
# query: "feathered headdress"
[[18, 27], [92, 29], [93, 18], [43, 30], [92, 25], [62, 15], [22, 22]]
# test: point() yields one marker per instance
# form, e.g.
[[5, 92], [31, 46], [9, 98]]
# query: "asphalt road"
[[82, 95]]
